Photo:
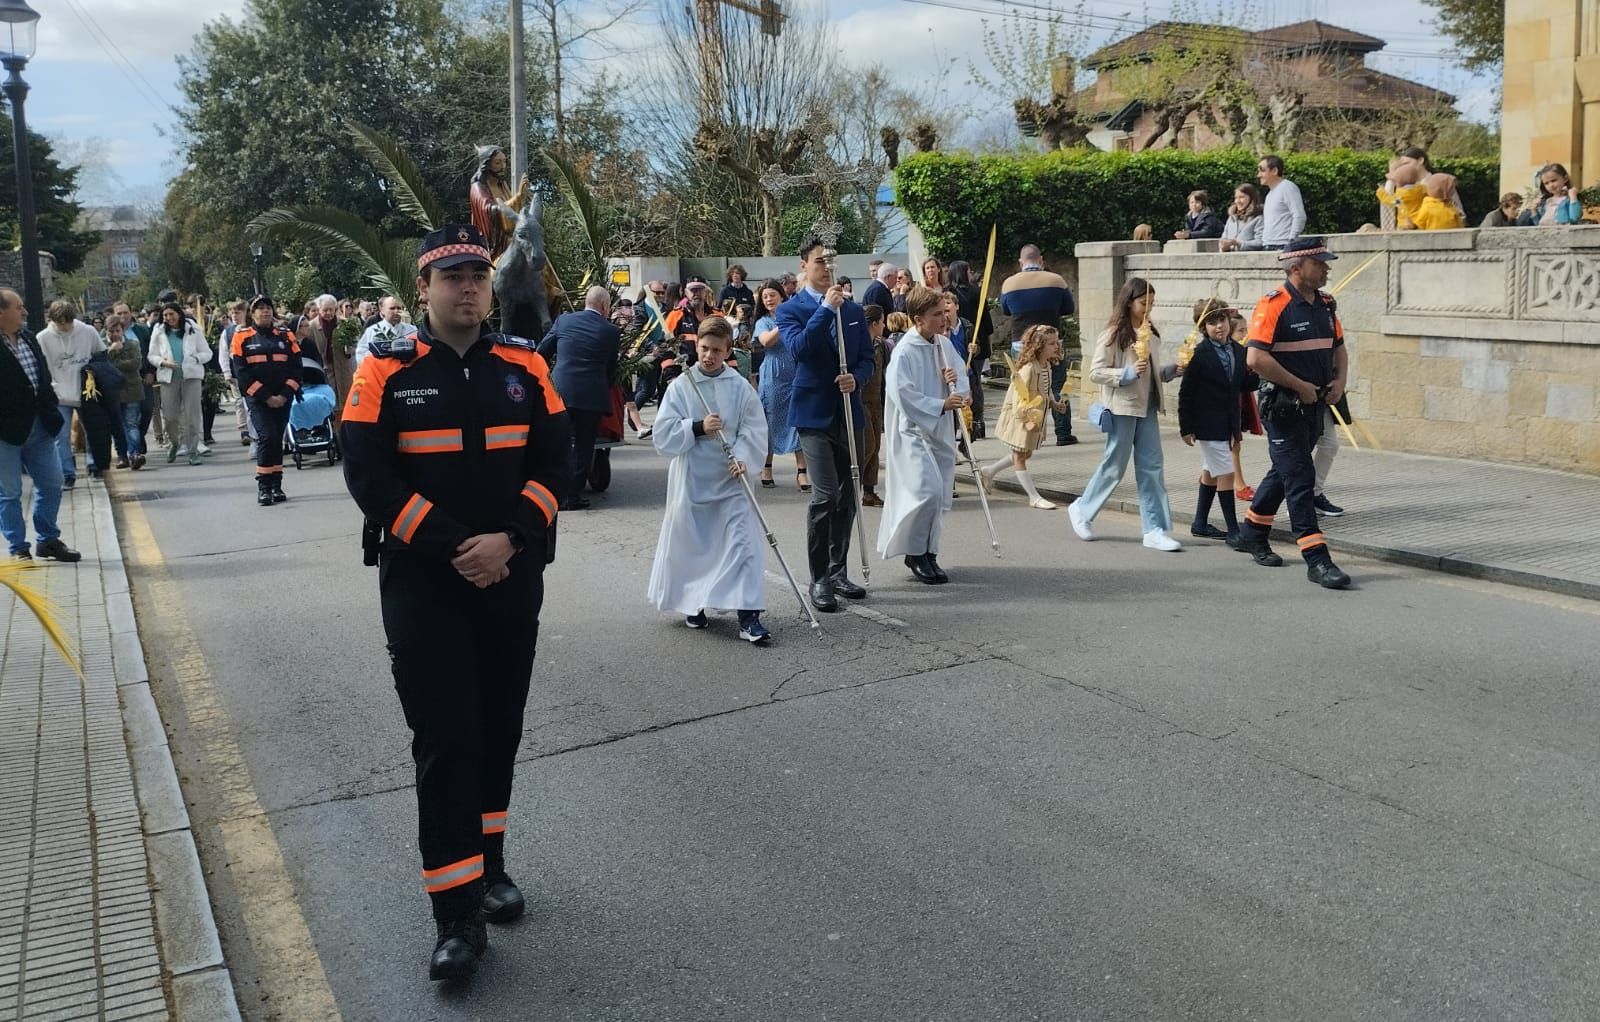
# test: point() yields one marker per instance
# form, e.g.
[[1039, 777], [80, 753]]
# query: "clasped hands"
[[482, 559]]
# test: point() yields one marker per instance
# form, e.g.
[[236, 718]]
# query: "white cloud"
[[146, 32]]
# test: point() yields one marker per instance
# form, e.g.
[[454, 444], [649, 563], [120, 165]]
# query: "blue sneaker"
[[751, 629], [696, 621]]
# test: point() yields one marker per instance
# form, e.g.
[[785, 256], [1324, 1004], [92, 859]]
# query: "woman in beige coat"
[[1125, 359]]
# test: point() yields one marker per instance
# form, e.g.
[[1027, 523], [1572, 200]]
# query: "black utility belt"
[[1280, 403]]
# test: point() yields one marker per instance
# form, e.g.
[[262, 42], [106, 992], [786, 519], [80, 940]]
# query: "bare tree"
[[579, 33], [1030, 62], [726, 94]]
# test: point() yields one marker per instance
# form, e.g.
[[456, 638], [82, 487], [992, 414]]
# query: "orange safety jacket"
[[265, 363], [439, 447]]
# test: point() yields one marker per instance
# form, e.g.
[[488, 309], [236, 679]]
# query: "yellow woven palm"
[[13, 576]]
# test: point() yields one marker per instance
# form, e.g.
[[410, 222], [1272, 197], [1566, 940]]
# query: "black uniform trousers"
[[833, 497], [269, 424], [462, 659], [1292, 480], [585, 428]]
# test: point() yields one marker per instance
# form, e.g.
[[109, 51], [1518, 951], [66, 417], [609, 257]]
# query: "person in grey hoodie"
[[68, 343]]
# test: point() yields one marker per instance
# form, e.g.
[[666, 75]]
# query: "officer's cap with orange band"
[[1306, 248], [452, 245]]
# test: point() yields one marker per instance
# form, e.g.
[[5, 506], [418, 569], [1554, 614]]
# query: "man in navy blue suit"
[[821, 398], [583, 346]]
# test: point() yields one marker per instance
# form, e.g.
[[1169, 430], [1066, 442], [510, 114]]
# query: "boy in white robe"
[[709, 554], [926, 381]]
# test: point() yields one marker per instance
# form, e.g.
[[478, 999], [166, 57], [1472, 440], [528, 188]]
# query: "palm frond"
[[343, 232], [400, 172], [583, 204], [12, 574], [399, 276]]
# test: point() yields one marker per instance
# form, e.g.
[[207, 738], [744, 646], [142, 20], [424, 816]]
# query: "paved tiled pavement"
[[1527, 526], [78, 922]]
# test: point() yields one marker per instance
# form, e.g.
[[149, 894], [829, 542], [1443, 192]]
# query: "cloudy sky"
[[105, 77]]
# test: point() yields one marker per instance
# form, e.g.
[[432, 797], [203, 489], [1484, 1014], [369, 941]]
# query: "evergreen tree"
[[56, 214]]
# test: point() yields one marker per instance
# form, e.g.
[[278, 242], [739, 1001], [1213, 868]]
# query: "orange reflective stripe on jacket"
[[253, 359], [428, 441], [453, 875], [543, 499], [499, 438], [1264, 323], [494, 823], [410, 518]]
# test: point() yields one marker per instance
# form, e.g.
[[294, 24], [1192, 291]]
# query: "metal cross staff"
[[828, 230]]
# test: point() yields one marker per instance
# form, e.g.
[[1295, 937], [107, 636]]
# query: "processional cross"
[[828, 173]]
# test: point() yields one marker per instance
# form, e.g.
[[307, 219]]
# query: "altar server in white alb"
[[709, 556], [926, 381]]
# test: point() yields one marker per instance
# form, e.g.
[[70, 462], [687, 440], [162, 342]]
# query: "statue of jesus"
[[494, 205]]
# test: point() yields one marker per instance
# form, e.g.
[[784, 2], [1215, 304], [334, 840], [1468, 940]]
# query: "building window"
[[1188, 138], [125, 264], [1122, 144]]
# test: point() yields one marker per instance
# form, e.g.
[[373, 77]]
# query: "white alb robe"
[[709, 555], [919, 443]]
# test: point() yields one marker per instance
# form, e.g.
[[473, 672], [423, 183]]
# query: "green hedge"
[[1056, 200]]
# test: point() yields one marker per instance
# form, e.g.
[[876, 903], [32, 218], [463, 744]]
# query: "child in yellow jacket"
[[1436, 212], [1403, 192]]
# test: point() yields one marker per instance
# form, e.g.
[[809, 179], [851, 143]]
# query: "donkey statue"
[[519, 278]]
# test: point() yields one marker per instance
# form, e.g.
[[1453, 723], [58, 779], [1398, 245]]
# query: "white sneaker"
[[1079, 526], [1042, 504], [183, 450], [203, 449], [1159, 540]]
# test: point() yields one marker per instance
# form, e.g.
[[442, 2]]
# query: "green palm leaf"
[[400, 172], [390, 263], [584, 207]]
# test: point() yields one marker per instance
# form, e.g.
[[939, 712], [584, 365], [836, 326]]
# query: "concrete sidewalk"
[[1524, 526], [103, 909]]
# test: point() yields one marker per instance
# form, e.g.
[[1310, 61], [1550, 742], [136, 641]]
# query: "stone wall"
[[11, 273], [1478, 344]]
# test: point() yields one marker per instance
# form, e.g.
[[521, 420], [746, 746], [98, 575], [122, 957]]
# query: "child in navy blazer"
[[1209, 414]]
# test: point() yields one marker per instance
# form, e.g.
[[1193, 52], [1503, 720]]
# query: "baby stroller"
[[310, 430]]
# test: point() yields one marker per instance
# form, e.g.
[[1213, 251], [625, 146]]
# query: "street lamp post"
[[255, 259], [18, 36]]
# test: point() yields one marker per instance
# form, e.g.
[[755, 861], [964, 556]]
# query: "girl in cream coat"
[[1125, 359], [180, 354]]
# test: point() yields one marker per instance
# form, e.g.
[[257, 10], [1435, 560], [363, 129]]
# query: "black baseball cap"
[[452, 245]]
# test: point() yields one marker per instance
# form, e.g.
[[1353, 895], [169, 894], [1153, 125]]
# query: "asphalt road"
[[1084, 781]]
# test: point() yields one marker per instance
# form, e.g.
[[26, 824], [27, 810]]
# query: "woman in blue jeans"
[[1125, 360]]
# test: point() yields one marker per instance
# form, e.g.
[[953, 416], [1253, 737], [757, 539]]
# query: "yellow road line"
[[279, 939]]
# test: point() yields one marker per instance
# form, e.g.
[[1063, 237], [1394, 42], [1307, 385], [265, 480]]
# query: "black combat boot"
[[278, 496], [462, 937], [1263, 554], [461, 943], [1327, 574], [264, 491]]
